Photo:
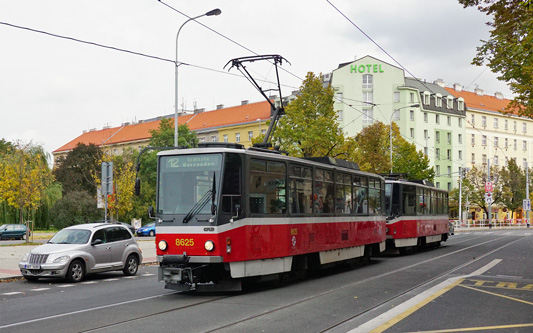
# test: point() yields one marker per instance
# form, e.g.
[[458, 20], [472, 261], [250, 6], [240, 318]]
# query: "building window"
[[426, 151], [449, 138], [250, 135], [484, 159], [225, 138], [213, 138], [339, 114], [449, 171], [339, 97], [437, 153], [483, 140], [426, 136], [425, 117], [524, 145], [514, 125], [496, 141], [473, 140], [237, 137], [412, 131], [473, 158], [496, 160], [449, 121], [396, 97], [473, 120], [506, 142], [524, 163], [460, 138], [426, 98], [449, 103], [437, 137], [460, 155], [524, 128], [396, 114], [367, 81], [368, 97], [495, 122], [202, 140], [460, 105], [368, 117], [411, 97], [460, 122], [438, 100], [263, 131], [449, 186], [483, 121], [505, 124], [438, 170], [412, 115], [449, 154], [515, 145], [437, 119]]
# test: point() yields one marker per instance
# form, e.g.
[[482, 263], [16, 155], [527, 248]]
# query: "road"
[[476, 280]]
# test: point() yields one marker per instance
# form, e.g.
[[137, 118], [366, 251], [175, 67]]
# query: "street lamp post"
[[390, 131], [209, 13]]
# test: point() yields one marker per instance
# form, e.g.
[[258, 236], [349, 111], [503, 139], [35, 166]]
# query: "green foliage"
[[309, 127], [164, 135], [509, 50], [75, 207], [77, 171]]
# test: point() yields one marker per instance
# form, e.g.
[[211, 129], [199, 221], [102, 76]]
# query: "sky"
[[52, 89]]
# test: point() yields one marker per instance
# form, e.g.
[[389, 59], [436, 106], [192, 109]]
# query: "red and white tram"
[[226, 214], [417, 214]]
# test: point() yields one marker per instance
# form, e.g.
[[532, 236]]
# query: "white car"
[[81, 249]]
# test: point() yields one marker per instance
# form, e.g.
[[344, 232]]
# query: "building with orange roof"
[[233, 124]]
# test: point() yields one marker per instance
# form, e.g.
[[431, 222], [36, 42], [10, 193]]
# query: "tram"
[[417, 214], [226, 215]]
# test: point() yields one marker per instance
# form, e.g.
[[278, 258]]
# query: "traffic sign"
[[488, 198], [488, 186], [526, 204]]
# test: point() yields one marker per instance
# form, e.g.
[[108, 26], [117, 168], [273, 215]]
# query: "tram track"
[[230, 325]]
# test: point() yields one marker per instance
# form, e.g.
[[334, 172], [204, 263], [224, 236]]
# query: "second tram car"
[[417, 215], [226, 214]]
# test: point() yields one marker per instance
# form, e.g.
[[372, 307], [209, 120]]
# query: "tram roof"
[[320, 161]]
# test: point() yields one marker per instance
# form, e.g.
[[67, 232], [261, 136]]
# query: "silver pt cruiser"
[[81, 249]]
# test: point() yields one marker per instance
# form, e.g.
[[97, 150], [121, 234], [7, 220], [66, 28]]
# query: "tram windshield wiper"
[[198, 206]]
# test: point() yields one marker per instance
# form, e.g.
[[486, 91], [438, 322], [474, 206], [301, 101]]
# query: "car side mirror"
[[151, 212], [96, 242]]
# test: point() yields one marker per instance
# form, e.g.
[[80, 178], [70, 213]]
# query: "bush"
[[75, 208]]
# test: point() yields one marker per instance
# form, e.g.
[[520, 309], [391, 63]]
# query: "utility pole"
[[527, 191], [490, 201]]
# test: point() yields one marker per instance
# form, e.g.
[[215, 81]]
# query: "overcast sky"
[[52, 89]]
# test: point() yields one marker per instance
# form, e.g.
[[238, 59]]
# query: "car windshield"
[[150, 225], [71, 236], [3, 226]]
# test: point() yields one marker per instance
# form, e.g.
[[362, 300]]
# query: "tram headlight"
[[162, 245], [209, 245]]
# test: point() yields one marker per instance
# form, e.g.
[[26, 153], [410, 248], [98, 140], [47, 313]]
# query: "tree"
[[309, 127], [75, 207], [24, 175], [164, 135], [474, 187], [509, 50], [76, 172], [514, 181], [372, 153]]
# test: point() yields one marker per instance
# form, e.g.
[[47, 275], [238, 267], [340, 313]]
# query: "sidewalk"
[[11, 255]]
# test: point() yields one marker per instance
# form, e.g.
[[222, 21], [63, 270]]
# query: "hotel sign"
[[370, 68]]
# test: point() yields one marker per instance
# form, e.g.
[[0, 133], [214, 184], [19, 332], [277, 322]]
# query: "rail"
[[516, 223]]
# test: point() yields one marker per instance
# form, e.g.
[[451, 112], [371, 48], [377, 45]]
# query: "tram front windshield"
[[186, 181]]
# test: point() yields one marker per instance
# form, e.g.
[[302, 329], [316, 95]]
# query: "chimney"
[[244, 102], [457, 87], [498, 95], [478, 91], [220, 106], [440, 82], [199, 110]]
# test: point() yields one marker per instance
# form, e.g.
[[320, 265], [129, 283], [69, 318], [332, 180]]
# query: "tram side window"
[[374, 197], [301, 185], [360, 204], [323, 193], [343, 194], [434, 206], [231, 185], [409, 200], [421, 201], [267, 187]]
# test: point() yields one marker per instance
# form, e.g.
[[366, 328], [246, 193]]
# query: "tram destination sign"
[[198, 162]]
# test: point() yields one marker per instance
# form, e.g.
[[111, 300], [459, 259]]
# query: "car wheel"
[[23, 237], [131, 266], [31, 278], [152, 233], [76, 271]]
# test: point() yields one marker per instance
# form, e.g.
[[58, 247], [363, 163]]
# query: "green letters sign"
[[370, 68]]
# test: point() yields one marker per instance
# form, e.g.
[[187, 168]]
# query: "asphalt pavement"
[[10, 256]]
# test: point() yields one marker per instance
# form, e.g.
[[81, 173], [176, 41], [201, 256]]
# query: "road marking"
[[89, 282], [112, 279], [471, 329], [400, 312], [40, 289], [65, 285], [12, 293], [84, 310], [498, 295]]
